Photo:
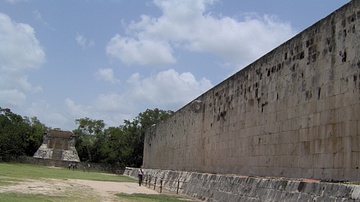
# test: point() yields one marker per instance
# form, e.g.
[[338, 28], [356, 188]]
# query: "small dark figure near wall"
[[140, 175]]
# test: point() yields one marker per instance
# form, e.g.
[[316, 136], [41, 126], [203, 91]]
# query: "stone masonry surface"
[[58, 145], [233, 188], [292, 113]]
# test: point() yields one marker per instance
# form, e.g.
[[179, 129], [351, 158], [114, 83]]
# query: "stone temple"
[[57, 149]]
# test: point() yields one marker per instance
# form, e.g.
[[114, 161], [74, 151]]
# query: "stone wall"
[[292, 113], [217, 187]]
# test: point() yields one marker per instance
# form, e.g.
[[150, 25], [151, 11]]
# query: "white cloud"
[[46, 114], [112, 108], [106, 74], [19, 50], [15, 80], [12, 98], [77, 110], [165, 90], [23, 83], [185, 25], [168, 89], [113, 102], [83, 41], [144, 52]]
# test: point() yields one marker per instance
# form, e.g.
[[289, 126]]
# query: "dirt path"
[[107, 190], [86, 189]]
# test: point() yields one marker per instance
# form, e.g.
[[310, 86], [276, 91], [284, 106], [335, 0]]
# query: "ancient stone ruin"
[[291, 115], [57, 149]]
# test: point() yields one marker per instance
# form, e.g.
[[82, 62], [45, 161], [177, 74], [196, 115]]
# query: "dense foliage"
[[119, 146], [19, 136]]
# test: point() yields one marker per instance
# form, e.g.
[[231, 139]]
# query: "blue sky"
[[112, 59]]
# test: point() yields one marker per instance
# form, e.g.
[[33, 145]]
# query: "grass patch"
[[17, 197], [35, 172], [11, 173], [151, 198], [4, 181]]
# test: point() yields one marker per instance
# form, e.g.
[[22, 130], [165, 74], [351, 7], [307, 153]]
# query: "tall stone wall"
[[295, 112], [229, 188]]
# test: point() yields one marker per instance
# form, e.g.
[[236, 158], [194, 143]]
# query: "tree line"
[[118, 146]]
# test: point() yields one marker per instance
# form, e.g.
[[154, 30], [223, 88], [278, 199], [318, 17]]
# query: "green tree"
[[35, 137], [87, 135], [114, 149], [119, 146], [18, 136], [135, 132]]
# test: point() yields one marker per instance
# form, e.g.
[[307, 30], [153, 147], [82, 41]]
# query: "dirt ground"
[[95, 190]]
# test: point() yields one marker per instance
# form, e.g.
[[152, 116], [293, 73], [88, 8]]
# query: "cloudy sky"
[[112, 59]]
